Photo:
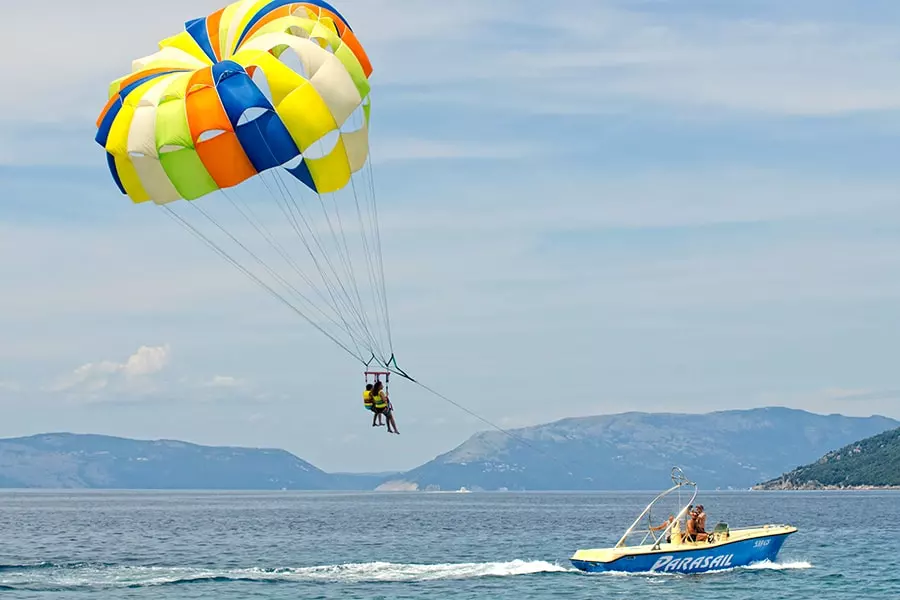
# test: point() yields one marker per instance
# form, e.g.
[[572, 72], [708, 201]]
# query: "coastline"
[[791, 486]]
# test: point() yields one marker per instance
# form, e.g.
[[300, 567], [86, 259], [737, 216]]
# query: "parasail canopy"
[[261, 110]]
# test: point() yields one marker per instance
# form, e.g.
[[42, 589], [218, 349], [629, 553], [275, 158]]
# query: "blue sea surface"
[[294, 545]]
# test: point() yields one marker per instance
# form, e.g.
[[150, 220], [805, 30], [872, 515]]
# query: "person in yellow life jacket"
[[369, 403], [382, 405]]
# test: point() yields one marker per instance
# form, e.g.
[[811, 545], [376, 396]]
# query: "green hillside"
[[872, 462]]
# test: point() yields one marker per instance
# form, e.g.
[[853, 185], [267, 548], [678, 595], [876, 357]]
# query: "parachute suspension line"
[[346, 299], [286, 195], [369, 268], [345, 258], [358, 310], [288, 208], [260, 227], [380, 255], [378, 299], [376, 284], [338, 301], [179, 219], [297, 293], [247, 213]]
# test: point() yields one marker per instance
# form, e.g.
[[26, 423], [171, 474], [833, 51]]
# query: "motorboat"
[[668, 548]]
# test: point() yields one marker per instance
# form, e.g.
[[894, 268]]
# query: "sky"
[[612, 206]]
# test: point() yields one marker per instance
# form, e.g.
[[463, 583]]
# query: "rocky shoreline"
[[788, 485]]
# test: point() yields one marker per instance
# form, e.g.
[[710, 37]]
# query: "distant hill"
[[872, 462], [65, 460], [727, 449]]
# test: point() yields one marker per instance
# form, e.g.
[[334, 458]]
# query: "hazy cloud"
[[9, 386], [224, 381], [863, 395], [130, 375]]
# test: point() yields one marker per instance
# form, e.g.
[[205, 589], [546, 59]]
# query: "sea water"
[[286, 545]]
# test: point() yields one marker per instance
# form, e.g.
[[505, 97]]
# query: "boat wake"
[[59, 577], [765, 565], [779, 566], [72, 576]]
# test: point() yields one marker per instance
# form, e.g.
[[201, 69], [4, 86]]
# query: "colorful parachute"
[[220, 108], [173, 128]]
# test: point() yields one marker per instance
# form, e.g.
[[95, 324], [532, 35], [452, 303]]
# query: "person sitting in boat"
[[663, 526], [701, 520], [701, 524], [693, 533], [690, 526]]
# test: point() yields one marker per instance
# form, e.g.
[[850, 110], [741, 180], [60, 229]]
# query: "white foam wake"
[[760, 566], [384, 571], [780, 566], [137, 576]]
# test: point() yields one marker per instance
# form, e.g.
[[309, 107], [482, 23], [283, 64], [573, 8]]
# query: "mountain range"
[[725, 449]]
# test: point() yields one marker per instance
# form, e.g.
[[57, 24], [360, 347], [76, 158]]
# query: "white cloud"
[[147, 376], [146, 361], [72, 58], [9, 386], [862, 395], [224, 381], [128, 376], [615, 61], [613, 57], [592, 57], [860, 402], [412, 149], [84, 55]]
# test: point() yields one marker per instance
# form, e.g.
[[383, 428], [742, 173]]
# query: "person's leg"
[[392, 421]]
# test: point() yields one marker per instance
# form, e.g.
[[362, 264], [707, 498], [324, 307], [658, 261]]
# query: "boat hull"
[[684, 558]]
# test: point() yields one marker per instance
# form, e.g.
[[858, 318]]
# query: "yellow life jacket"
[[380, 402], [367, 399]]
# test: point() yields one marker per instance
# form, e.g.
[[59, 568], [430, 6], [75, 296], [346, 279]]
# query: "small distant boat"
[[667, 550]]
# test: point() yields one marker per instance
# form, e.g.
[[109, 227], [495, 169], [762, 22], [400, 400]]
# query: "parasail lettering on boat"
[[669, 563]]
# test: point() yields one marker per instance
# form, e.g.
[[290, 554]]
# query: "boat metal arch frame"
[[679, 480]]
